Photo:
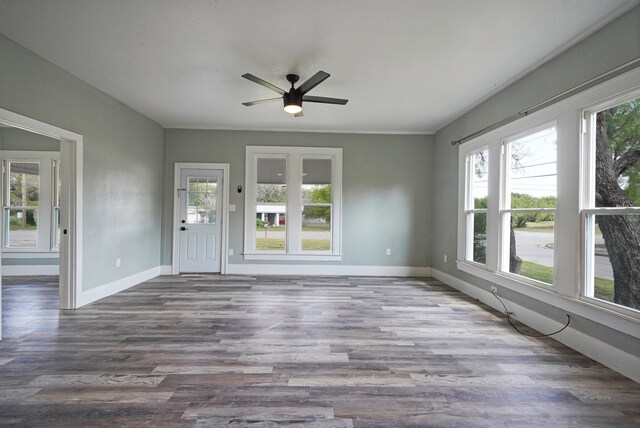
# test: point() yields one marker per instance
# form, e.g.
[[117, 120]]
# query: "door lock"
[[183, 228]]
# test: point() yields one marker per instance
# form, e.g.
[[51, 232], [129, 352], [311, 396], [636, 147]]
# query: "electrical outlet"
[[388, 251], [118, 262], [444, 257], [231, 251], [494, 290]]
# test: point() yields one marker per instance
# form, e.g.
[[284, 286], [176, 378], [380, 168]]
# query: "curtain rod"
[[554, 99]]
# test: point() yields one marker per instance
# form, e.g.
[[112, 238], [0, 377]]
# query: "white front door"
[[200, 219]]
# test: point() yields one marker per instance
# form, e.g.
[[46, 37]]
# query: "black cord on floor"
[[508, 314]]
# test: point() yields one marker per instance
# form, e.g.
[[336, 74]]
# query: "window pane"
[[271, 204], [617, 133], [531, 250], [615, 274], [22, 228], [532, 177], [479, 168], [57, 187], [24, 179], [317, 200], [478, 223], [56, 228], [201, 193], [316, 228]]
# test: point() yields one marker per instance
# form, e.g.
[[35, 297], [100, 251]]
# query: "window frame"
[[293, 245], [504, 208], [572, 170], [46, 243], [588, 209], [469, 204]]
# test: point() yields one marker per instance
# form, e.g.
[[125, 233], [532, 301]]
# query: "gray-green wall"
[[18, 139], [386, 189], [122, 161], [614, 45]]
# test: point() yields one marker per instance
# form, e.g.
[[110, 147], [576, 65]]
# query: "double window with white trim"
[[293, 203], [30, 202], [552, 201]]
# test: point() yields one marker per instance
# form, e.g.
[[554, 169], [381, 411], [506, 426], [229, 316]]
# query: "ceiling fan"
[[294, 98]]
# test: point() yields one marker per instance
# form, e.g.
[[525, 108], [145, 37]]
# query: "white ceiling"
[[408, 66]]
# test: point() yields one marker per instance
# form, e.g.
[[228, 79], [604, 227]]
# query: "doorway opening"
[[41, 204]]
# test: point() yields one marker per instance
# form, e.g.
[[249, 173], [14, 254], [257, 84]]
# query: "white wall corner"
[[616, 359], [330, 270], [111, 288], [166, 270]]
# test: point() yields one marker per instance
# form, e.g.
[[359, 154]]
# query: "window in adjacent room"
[[30, 201]]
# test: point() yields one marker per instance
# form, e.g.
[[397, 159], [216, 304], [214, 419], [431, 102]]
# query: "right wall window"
[[529, 201], [612, 213]]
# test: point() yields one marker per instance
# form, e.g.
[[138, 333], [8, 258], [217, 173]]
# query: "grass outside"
[[274, 244], [305, 228], [14, 227], [269, 244], [316, 244], [541, 226], [545, 227], [603, 288]]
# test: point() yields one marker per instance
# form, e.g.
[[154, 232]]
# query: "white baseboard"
[[24, 270], [166, 270], [97, 293], [616, 359], [330, 270]]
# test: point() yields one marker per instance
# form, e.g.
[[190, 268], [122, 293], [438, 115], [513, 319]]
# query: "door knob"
[[183, 228]]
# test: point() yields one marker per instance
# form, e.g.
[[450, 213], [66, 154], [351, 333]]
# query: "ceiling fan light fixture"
[[295, 96], [292, 101], [293, 108]]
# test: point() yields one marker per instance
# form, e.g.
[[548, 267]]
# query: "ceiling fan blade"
[[264, 83], [268, 100], [299, 114], [313, 81], [324, 100]]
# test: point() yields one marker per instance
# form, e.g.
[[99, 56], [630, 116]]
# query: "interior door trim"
[[71, 155], [224, 249]]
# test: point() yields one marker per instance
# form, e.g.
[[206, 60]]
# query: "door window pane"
[[271, 204], [201, 203], [316, 204]]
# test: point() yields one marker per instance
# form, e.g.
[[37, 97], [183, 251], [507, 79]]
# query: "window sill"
[[623, 321], [294, 257], [29, 254]]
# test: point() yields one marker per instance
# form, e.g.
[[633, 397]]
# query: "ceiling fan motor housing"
[[292, 97]]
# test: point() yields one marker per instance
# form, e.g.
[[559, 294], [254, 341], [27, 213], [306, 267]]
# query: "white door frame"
[[71, 157], [175, 258]]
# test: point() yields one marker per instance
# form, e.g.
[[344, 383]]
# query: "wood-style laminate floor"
[[295, 351]]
